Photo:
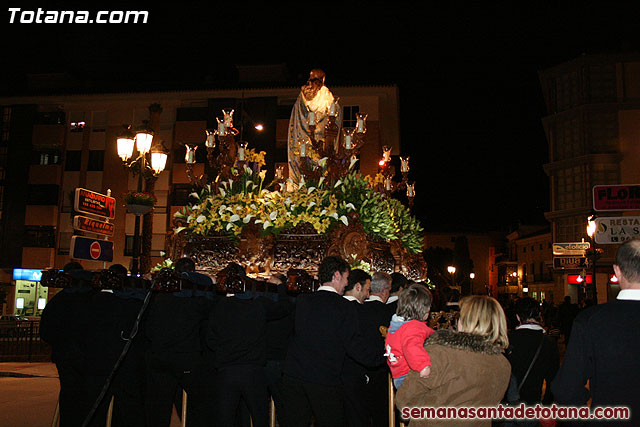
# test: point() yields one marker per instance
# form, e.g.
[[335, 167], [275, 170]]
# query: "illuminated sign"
[[576, 248], [616, 197], [90, 202], [27, 274], [617, 229], [564, 262], [576, 279], [84, 223]]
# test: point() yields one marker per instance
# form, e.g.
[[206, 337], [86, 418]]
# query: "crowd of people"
[[325, 357]]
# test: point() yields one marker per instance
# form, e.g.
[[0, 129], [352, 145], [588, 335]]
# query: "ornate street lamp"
[[591, 232], [145, 168]]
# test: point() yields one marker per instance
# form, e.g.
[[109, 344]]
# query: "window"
[[571, 188], [39, 236], [128, 245], [180, 194], [76, 126], [349, 115], [72, 160], [4, 125], [99, 121], [96, 160], [46, 157], [42, 194], [571, 229]]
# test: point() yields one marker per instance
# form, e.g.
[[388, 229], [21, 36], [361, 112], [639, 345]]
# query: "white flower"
[[322, 162], [287, 202], [222, 192], [324, 212], [350, 206], [262, 174], [354, 160], [222, 209], [266, 224], [234, 218], [334, 215], [247, 218], [194, 194], [337, 184], [229, 226], [189, 218], [321, 181], [310, 205], [200, 219], [310, 190], [344, 219], [273, 215]]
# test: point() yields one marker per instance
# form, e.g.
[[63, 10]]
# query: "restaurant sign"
[[568, 262], [615, 230], [90, 225], [90, 202]]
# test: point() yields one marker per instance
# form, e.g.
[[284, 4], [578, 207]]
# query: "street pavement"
[[29, 394]]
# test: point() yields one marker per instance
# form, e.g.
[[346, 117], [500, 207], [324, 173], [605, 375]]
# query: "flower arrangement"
[[167, 263], [136, 198], [243, 202]]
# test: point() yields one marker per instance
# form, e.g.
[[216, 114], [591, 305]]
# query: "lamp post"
[[472, 276], [452, 270], [140, 165], [591, 232]]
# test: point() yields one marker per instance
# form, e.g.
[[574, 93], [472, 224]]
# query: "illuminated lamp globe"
[[144, 136], [158, 161], [125, 143]]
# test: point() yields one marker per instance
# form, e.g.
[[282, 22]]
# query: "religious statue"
[[311, 108]]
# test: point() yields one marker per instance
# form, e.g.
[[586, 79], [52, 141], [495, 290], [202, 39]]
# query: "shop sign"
[[27, 274], [617, 229], [90, 225], [576, 248], [568, 262], [90, 202], [616, 197], [91, 249]]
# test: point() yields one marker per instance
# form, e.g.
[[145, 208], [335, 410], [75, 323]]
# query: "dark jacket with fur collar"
[[465, 371]]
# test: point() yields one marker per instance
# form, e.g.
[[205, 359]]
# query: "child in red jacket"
[[407, 333]]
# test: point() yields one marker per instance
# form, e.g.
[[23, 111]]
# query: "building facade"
[[593, 130], [52, 145]]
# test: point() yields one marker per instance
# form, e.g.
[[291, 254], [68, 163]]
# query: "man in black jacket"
[[376, 313], [523, 344], [353, 373], [605, 346], [326, 329], [174, 328], [237, 338], [61, 326]]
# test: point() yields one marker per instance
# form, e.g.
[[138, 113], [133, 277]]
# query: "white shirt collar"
[[531, 326], [374, 298], [327, 288], [350, 298], [392, 298], [629, 294]]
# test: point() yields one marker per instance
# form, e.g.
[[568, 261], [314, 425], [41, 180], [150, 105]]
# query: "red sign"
[[616, 197], [90, 202], [84, 223], [95, 250], [576, 279]]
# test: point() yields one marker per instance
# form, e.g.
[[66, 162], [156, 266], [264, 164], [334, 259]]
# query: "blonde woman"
[[468, 368]]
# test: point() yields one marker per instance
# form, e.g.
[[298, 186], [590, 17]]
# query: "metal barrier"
[[22, 343]]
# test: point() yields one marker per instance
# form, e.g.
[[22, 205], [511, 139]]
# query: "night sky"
[[470, 98]]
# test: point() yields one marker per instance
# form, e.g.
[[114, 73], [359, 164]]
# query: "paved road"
[[29, 395]]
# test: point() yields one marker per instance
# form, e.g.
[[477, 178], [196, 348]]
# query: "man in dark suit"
[[376, 312], [605, 346], [326, 329], [353, 373], [523, 344]]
